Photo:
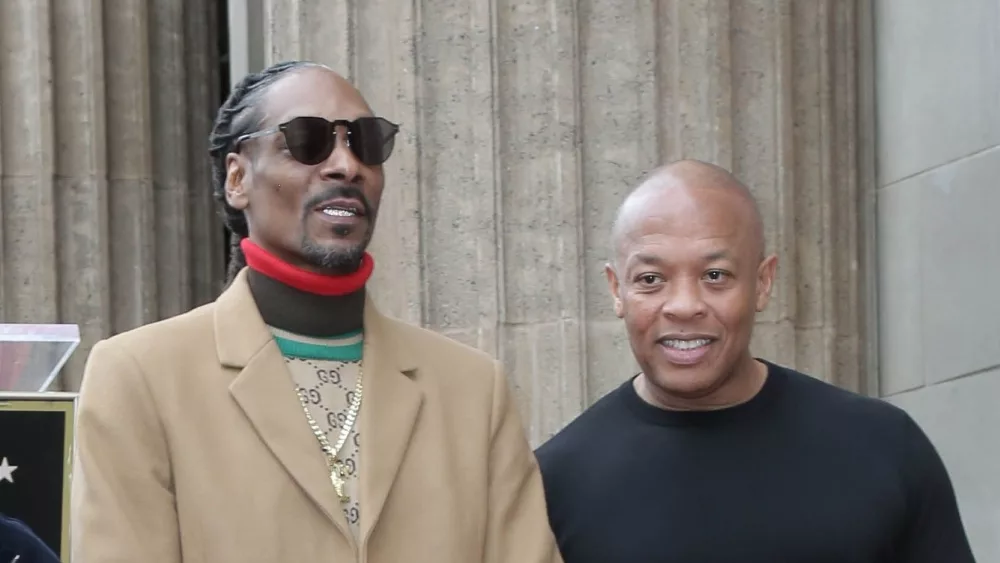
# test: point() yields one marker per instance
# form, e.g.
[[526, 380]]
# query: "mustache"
[[343, 191]]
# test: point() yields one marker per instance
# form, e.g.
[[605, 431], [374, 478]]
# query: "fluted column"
[[106, 206], [526, 122]]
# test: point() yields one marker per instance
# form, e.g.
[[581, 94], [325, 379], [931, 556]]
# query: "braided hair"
[[238, 116]]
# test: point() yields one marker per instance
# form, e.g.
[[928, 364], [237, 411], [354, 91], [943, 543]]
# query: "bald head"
[[682, 188], [688, 278]]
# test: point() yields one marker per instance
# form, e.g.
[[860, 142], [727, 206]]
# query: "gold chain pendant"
[[337, 478], [338, 472]]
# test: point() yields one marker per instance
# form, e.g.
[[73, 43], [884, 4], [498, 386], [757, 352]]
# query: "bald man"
[[710, 455]]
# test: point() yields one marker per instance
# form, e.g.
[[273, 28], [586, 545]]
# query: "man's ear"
[[613, 287], [236, 181], [765, 281]]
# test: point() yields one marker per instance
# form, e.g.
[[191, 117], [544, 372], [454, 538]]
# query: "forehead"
[[676, 223], [313, 92]]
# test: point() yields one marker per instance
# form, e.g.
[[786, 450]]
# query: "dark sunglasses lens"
[[309, 139], [372, 140]]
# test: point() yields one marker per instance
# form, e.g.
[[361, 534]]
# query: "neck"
[[740, 386], [304, 302]]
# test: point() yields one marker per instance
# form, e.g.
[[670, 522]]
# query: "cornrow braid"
[[238, 116]]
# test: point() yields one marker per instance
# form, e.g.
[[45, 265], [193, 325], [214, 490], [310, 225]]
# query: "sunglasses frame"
[[281, 127]]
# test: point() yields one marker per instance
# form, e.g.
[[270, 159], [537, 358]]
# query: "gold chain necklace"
[[337, 471]]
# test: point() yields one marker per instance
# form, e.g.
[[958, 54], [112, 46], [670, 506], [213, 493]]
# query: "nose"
[[684, 300], [342, 165]]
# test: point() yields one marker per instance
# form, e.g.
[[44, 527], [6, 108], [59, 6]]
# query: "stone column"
[[104, 111], [525, 122]]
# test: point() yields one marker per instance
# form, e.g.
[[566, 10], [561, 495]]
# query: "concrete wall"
[[526, 121], [106, 210], [938, 130]]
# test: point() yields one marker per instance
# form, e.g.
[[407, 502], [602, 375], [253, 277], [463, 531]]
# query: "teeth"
[[686, 344], [336, 212]]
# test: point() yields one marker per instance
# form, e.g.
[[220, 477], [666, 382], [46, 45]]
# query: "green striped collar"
[[344, 348]]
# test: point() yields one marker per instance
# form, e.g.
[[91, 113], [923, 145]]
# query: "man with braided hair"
[[289, 420]]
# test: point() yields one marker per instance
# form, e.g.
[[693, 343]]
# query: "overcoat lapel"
[[264, 389], [389, 412]]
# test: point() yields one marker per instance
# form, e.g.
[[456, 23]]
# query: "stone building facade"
[[524, 123]]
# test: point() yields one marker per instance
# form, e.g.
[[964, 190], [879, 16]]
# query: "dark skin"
[[689, 276], [281, 197]]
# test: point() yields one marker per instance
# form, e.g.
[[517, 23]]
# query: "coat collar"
[[264, 390]]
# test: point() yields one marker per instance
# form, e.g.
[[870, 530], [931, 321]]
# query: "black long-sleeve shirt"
[[804, 472]]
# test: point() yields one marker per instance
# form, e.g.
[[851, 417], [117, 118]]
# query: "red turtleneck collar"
[[304, 280]]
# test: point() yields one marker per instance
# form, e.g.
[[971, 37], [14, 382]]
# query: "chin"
[[341, 246], [690, 384], [336, 258]]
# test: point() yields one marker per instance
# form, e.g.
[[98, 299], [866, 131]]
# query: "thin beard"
[[337, 261], [334, 261]]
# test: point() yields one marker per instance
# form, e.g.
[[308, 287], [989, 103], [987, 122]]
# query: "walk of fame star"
[[7, 471]]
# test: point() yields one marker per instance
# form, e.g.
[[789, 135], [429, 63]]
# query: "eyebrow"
[[717, 255], [646, 258], [654, 260]]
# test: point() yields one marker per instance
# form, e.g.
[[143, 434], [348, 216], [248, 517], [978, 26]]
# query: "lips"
[[679, 344], [686, 350], [341, 208]]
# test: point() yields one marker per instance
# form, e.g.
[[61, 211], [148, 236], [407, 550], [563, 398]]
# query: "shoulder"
[[455, 377], [863, 418], [16, 536], [576, 440], [566, 460], [428, 348], [449, 372], [168, 335], [131, 361], [13, 530]]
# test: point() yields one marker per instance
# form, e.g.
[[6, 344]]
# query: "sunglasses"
[[311, 140]]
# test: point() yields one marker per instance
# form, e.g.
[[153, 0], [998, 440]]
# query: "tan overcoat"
[[192, 447]]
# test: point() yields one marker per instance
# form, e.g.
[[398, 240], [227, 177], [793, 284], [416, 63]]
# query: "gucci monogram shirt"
[[325, 372]]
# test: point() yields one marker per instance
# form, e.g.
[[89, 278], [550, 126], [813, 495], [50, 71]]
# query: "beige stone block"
[[544, 362], [27, 145], [127, 90], [692, 39], [937, 84], [29, 255], [776, 341], [460, 209], [316, 30], [386, 75], [169, 108], [540, 188], [83, 273], [814, 348], [133, 254], [205, 240], [483, 337], [609, 358], [81, 199], [81, 203]]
